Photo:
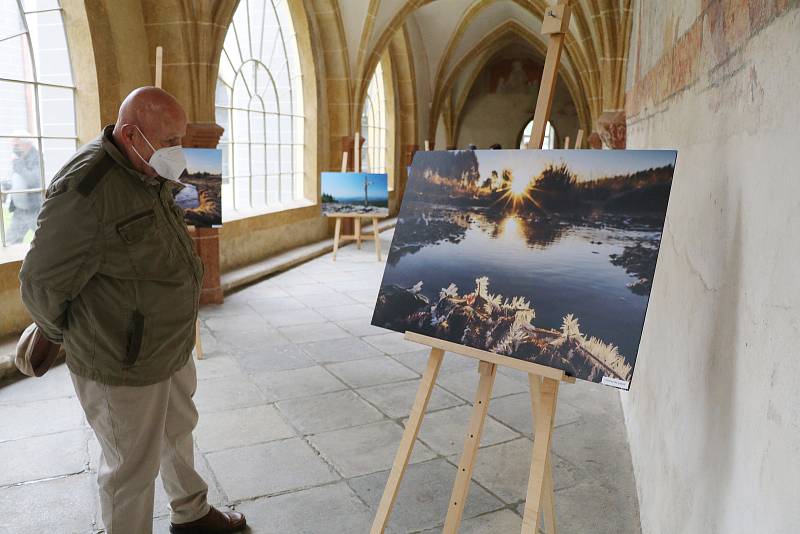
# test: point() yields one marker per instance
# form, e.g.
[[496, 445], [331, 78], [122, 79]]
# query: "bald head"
[[148, 114]]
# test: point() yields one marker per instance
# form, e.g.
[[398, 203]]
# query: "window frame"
[[376, 122], [549, 142], [35, 84], [295, 117]]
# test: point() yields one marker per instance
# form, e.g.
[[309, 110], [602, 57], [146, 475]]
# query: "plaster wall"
[[712, 417], [500, 118]]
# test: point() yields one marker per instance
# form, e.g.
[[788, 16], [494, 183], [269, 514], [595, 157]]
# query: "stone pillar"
[[402, 179], [206, 240], [347, 146], [613, 129]]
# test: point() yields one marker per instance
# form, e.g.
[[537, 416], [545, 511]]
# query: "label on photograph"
[[615, 382]]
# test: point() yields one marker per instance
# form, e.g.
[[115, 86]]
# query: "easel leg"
[[458, 498], [198, 344], [377, 238], [358, 232], [548, 500], [540, 481], [336, 234], [407, 443]]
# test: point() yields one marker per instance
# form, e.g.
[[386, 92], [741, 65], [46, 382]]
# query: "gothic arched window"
[[259, 102], [37, 110]]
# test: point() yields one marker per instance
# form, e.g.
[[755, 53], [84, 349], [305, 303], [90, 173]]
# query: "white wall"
[[714, 412], [499, 118]]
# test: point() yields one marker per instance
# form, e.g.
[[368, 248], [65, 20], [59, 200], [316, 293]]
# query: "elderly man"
[[112, 274]]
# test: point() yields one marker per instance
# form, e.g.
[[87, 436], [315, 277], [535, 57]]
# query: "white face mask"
[[169, 162]]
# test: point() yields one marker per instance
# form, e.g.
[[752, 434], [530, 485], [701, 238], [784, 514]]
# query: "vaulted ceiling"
[[452, 40]]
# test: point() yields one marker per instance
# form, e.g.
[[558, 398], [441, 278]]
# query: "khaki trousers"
[[142, 430]]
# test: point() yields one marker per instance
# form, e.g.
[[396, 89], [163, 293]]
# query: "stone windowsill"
[[13, 253], [236, 215], [16, 253]]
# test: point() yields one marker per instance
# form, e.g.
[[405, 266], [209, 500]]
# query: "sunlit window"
[[259, 103], [549, 136], [373, 125], [37, 110]]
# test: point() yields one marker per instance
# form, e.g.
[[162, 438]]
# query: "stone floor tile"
[[515, 411], [591, 507], [499, 522], [444, 431], [301, 316], [465, 384], [340, 350], [416, 360], [360, 327], [55, 384], [304, 382], [43, 456], [326, 300], [365, 449], [226, 393], [216, 365], [36, 418], [222, 310], [329, 509], [314, 332], [504, 470], [424, 496], [347, 311], [263, 290], [58, 505], [331, 411], [266, 337], [240, 427], [236, 324], [268, 468], [269, 305], [371, 371], [314, 288], [368, 297], [392, 343], [280, 358], [395, 400], [597, 446]]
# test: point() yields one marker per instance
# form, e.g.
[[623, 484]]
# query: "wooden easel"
[[357, 236], [544, 381]]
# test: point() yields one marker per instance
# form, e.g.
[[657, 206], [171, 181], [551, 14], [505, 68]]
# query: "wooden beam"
[[555, 24]]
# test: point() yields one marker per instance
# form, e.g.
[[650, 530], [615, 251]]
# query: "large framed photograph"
[[355, 193], [201, 196], [543, 255]]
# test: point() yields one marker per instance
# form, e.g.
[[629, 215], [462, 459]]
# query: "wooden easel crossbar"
[[544, 381]]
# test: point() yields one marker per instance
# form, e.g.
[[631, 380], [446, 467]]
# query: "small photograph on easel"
[[542, 255], [361, 193], [201, 195]]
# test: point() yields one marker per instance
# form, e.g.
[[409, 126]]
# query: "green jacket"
[[112, 272]]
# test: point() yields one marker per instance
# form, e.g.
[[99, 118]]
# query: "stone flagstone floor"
[[302, 404]]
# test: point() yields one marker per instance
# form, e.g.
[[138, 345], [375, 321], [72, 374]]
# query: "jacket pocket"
[[135, 337], [134, 229]]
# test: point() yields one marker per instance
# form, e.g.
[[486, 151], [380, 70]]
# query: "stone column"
[[206, 240]]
